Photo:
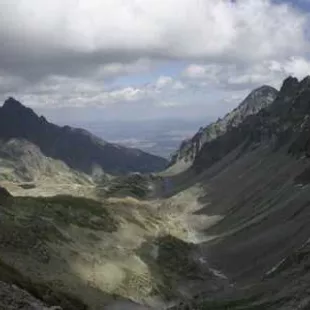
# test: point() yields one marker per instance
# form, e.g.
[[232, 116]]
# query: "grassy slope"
[[92, 252]]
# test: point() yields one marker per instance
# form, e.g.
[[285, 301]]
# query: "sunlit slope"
[[100, 252]]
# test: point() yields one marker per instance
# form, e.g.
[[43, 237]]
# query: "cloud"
[[210, 71], [116, 69], [167, 82], [240, 76], [296, 66], [9, 83], [72, 37], [122, 53], [213, 88], [163, 81], [60, 91]]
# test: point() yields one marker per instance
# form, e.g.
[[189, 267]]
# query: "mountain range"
[[76, 147], [224, 226]]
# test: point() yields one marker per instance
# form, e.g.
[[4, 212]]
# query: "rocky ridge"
[[78, 148], [258, 99]]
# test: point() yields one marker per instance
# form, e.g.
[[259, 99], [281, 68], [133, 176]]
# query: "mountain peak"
[[257, 100], [11, 106], [264, 87], [78, 148], [253, 100], [289, 83], [263, 90], [12, 103]]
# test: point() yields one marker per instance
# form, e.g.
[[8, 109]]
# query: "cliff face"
[[254, 102], [285, 121]]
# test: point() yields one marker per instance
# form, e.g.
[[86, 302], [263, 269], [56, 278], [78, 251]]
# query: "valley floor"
[[233, 237]]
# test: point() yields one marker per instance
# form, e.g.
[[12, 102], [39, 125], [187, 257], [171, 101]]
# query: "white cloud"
[[92, 91], [195, 71], [86, 33], [163, 81], [125, 94], [167, 82], [119, 69], [232, 76], [210, 72], [178, 85], [297, 66], [69, 53], [226, 82]]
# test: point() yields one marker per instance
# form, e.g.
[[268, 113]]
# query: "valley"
[[155, 155], [224, 226]]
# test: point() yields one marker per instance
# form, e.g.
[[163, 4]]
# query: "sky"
[[93, 60]]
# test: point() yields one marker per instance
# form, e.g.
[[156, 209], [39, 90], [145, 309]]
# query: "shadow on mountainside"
[[264, 217], [260, 238], [78, 148], [254, 180]]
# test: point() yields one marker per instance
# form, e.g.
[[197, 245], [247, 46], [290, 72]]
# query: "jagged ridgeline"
[[258, 99], [78, 148], [284, 122]]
